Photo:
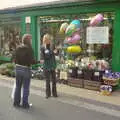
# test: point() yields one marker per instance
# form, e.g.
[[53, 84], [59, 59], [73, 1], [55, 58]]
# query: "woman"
[[49, 65], [23, 59]]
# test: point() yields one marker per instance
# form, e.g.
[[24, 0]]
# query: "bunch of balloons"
[[72, 35], [72, 32]]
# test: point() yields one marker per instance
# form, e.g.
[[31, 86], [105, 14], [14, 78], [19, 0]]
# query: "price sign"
[[97, 74], [79, 72], [70, 71]]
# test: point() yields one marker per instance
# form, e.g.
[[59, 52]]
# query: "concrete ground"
[[61, 108], [113, 99]]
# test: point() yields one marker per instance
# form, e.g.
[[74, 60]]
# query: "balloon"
[[72, 42], [70, 30], [76, 23], [96, 20], [76, 37], [93, 22], [99, 17], [63, 27], [78, 29], [74, 49], [68, 39]]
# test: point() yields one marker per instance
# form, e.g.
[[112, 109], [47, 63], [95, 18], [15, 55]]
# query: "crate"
[[92, 85], [76, 82], [80, 74], [72, 72], [88, 74], [97, 76], [63, 81]]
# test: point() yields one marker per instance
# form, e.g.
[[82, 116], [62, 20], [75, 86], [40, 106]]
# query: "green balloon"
[[70, 30]]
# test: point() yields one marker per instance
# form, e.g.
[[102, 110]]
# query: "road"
[[62, 108]]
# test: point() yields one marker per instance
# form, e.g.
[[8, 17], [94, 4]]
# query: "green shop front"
[[96, 50]]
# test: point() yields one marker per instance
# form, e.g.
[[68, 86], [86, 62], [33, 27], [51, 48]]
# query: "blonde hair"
[[47, 38]]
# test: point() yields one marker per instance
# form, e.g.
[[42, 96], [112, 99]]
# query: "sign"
[[96, 74], [28, 19], [79, 72], [98, 35], [27, 28]]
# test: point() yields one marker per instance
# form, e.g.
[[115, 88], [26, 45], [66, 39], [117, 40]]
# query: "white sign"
[[28, 19], [79, 72], [96, 73], [98, 35], [70, 71]]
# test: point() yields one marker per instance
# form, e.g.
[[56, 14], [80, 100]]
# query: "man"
[[49, 64], [23, 60]]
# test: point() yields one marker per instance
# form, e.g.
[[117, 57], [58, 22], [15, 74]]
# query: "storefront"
[[100, 41], [35, 19]]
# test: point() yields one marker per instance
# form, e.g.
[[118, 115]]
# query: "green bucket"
[[35, 66]]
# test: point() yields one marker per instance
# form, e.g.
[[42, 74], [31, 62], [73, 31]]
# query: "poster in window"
[[98, 35]]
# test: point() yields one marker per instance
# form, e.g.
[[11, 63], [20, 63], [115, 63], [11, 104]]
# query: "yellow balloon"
[[74, 49], [63, 27]]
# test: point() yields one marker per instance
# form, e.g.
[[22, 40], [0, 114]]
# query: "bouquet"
[[105, 89]]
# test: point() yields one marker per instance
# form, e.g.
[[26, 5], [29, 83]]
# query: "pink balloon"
[[75, 38], [96, 20], [99, 17], [93, 22], [69, 39]]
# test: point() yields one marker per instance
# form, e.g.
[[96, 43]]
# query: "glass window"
[[9, 35], [95, 39]]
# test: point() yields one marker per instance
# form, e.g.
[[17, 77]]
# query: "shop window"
[[96, 39], [9, 36]]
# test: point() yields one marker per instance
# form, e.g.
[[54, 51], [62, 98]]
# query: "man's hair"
[[26, 39]]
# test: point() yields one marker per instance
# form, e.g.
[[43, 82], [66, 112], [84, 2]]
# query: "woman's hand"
[[55, 51], [41, 61]]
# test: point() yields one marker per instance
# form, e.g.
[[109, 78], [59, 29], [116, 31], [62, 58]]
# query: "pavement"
[[52, 109], [93, 96]]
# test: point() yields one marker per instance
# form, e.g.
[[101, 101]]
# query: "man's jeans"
[[23, 75]]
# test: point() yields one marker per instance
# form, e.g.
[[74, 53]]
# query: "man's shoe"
[[47, 96], [26, 106]]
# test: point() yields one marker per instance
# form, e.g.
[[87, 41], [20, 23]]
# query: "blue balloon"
[[76, 23]]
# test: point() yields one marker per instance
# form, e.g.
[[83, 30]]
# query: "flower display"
[[90, 63], [105, 89], [111, 78], [111, 75]]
